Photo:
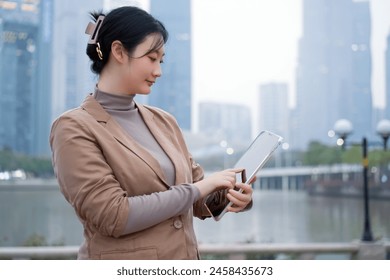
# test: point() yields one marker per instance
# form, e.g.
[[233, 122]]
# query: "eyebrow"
[[158, 52]]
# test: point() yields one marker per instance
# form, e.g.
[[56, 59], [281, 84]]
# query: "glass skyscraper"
[[226, 122], [172, 92], [25, 75], [273, 113], [72, 77], [387, 108], [334, 70]]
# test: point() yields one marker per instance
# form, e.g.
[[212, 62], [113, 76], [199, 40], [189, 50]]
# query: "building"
[[172, 92], [387, 81], [273, 107], [72, 77], [229, 123], [25, 75], [113, 4], [334, 70]]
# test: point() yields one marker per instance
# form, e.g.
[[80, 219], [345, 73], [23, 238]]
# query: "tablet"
[[250, 162]]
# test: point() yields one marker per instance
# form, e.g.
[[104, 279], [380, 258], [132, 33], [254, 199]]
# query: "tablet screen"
[[251, 161], [258, 153]]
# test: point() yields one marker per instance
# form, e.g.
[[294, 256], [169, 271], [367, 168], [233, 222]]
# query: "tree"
[[318, 154], [37, 166]]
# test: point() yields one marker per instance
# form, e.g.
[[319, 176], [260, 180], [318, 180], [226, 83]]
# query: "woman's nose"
[[157, 71]]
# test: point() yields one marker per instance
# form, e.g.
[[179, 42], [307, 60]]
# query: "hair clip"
[[93, 29], [99, 51]]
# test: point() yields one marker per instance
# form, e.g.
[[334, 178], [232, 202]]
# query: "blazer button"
[[178, 224]]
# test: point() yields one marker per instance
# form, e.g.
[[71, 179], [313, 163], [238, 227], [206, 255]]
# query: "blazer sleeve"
[[85, 178], [215, 201], [199, 209]]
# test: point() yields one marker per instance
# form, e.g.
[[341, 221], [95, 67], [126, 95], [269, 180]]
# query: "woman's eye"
[[154, 59]]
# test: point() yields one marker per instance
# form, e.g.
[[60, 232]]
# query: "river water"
[[31, 213]]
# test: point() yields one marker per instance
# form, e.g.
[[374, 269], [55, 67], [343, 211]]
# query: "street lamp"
[[383, 129], [343, 128]]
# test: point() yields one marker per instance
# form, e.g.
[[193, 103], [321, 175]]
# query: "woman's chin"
[[145, 92]]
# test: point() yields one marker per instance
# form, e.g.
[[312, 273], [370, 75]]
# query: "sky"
[[239, 45]]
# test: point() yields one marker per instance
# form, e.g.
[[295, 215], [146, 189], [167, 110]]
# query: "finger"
[[227, 182], [235, 209], [231, 177], [235, 170], [253, 180], [231, 174], [238, 199], [246, 188]]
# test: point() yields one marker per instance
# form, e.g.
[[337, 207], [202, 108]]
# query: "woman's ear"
[[118, 51]]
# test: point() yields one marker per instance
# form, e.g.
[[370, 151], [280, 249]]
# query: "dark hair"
[[130, 26]]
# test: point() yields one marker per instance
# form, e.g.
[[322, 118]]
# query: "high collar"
[[114, 102]]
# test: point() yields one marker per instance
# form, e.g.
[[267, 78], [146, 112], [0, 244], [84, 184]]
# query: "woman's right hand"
[[216, 181]]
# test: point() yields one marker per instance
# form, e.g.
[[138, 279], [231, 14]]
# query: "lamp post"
[[343, 128], [383, 129], [367, 234]]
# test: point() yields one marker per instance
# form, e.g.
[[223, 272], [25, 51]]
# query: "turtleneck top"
[[147, 210], [122, 108]]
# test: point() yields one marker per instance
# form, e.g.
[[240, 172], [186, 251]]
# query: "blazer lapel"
[[97, 112], [166, 141]]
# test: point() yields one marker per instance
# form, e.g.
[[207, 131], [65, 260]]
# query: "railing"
[[353, 250]]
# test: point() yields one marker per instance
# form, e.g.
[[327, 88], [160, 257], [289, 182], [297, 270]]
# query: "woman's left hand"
[[240, 199]]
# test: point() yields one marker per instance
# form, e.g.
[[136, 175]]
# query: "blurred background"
[[313, 71]]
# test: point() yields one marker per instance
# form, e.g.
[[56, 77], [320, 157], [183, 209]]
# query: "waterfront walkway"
[[378, 250]]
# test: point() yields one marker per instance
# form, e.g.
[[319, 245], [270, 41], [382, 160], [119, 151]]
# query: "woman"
[[125, 167]]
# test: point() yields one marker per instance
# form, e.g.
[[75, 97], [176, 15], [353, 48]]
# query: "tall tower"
[[25, 75], [226, 122], [172, 92], [72, 77], [387, 109], [273, 112], [360, 106], [334, 70], [113, 4]]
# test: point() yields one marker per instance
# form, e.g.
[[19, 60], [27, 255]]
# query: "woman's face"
[[143, 70]]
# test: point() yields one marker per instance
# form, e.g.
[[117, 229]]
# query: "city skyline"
[[286, 19], [25, 76], [173, 93], [215, 79], [334, 72], [227, 34], [236, 49]]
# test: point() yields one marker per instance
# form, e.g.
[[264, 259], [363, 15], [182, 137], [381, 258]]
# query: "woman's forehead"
[[153, 43]]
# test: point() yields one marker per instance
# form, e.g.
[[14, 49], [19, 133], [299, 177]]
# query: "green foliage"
[[352, 154], [35, 240], [8, 160], [247, 256], [218, 162], [38, 167], [318, 154], [379, 157]]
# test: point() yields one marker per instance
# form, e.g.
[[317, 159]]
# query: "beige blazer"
[[98, 165]]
